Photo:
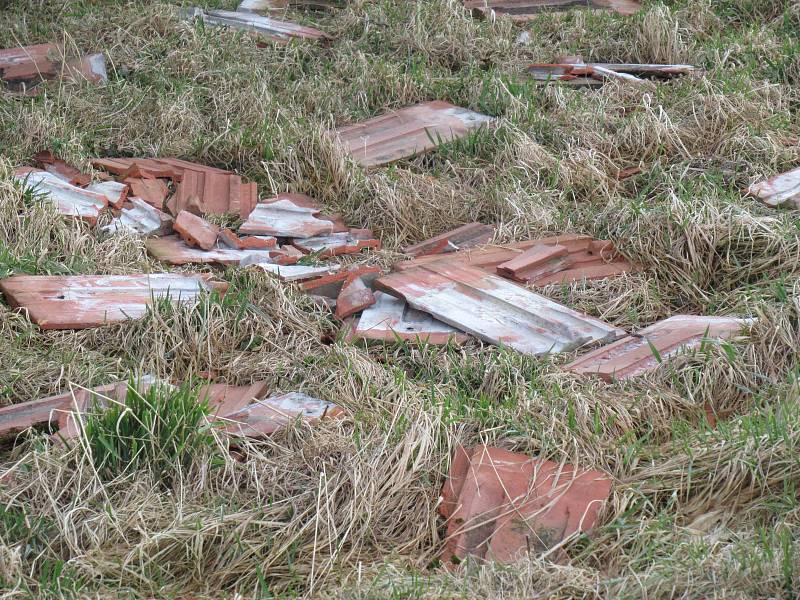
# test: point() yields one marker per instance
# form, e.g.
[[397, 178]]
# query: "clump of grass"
[[161, 429]]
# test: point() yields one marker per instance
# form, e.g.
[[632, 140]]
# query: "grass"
[[347, 509]]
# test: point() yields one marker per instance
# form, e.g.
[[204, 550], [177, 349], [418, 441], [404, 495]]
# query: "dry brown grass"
[[347, 510]]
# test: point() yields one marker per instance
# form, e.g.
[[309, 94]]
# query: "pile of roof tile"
[[240, 410], [23, 69]]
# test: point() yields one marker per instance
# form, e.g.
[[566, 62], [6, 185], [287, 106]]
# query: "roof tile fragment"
[[175, 251], [390, 319], [296, 272], [68, 199], [495, 310], [62, 169], [407, 132], [466, 236], [82, 301], [152, 191], [354, 297], [291, 216], [502, 505], [264, 417], [141, 218], [634, 354], [592, 74], [116, 193], [781, 190], [335, 244], [525, 10], [330, 286], [196, 231], [266, 27]]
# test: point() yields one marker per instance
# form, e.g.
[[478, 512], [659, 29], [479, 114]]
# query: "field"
[[347, 509]]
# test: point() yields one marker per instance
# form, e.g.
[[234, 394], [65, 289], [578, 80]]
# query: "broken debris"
[[494, 309], [525, 10], [24, 68], [409, 131], [264, 417], [781, 190], [196, 231], [62, 169], [140, 218], [116, 193], [466, 236], [636, 354], [294, 272], [175, 251], [68, 199], [266, 27], [355, 296], [82, 301], [335, 244], [591, 74], [390, 319], [291, 216]]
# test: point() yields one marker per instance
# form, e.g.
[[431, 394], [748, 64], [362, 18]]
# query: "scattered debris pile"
[[781, 190], [257, 25], [409, 131], [23, 69], [573, 71], [503, 506], [240, 410], [525, 10]]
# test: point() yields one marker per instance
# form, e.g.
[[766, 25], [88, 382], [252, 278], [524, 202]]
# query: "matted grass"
[[347, 509]]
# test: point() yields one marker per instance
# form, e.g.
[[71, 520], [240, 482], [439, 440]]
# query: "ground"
[[347, 509]]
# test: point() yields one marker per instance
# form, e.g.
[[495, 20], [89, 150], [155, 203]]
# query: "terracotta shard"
[[391, 319], [262, 6], [525, 10], [586, 258], [538, 260], [496, 310], [296, 272], [354, 297], [79, 302], [409, 131], [262, 418], [249, 242], [265, 27], [62, 169], [19, 417], [592, 74], [291, 216], [116, 193], [68, 200], [502, 505], [196, 231], [91, 68], [335, 244], [466, 236], [223, 398], [175, 251], [152, 191], [23, 68], [781, 190], [637, 354], [330, 286], [141, 218]]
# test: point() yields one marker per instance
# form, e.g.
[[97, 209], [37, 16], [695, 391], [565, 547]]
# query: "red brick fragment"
[[196, 231], [354, 297]]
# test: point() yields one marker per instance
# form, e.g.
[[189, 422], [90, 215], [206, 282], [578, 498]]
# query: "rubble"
[[295, 272], [260, 6], [140, 218], [525, 10], [262, 418], [62, 169], [579, 73], [69, 200], [390, 319], [116, 193], [330, 286], [291, 216], [83, 301], [196, 231], [264, 27], [781, 190], [335, 244], [466, 236], [408, 132], [503, 506], [585, 258], [152, 191], [495, 310], [354, 297], [22, 69], [644, 351], [248, 242], [175, 251]]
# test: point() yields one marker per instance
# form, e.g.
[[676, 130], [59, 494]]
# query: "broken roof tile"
[[68, 199], [291, 216], [248, 242], [82, 301], [502, 505], [466, 236], [196, 231], [495, 310], [264, 417], [62, 169], [273, 29], [260, 6], [141, 218], [330, 286], [116, 193], [91, 68], [354, 297], [407, 132], [335, 244], [174, 250], [644, 351], [390, 319], [781, 190], [295, 272], [580, 73], [152, 191], [23, 68], [525, 10]]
